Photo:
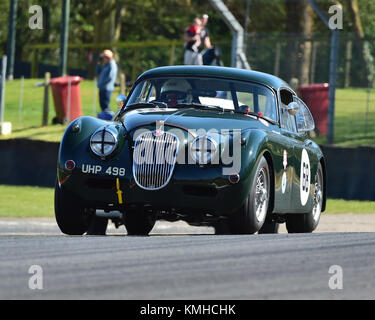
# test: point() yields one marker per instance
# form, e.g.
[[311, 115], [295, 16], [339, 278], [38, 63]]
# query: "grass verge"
[[34, 202], [26, 202]]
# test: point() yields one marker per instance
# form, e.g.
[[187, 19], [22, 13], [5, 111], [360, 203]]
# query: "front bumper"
[[191, 189]]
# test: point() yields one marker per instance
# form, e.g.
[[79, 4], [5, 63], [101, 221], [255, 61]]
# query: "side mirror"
[[120, 100], [293, 108]]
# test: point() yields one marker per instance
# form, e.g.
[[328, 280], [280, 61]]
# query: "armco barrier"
[[28, 162], [350, 171]]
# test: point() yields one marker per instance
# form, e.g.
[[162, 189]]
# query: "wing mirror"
[[120, 100], [293, 108]]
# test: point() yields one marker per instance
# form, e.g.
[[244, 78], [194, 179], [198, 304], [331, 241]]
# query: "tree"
[[367, 58], [299, 24]]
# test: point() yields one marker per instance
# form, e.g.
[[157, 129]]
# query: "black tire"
[[308, 222], [70, 215], [138, 222], [98, 226], [269, 227], [245, 220]]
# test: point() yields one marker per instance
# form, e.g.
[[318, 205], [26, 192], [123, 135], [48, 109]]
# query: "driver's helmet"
[[176, 91]]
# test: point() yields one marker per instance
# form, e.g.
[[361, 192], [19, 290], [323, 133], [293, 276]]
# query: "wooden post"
[[122, 83], [34, 64], [172, 57], [276, 71], [315, 46], [20, 106], [135, 64], [47, 79], [348, 63]]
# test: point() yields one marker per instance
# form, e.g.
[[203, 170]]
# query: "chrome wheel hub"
[[261, 196], [318, 197]]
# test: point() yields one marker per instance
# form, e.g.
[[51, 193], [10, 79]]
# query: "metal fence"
[[275, 53], [285, 56]]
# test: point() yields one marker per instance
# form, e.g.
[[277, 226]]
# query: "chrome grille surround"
[[154, 159]]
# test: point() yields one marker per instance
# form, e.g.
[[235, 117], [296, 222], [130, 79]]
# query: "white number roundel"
[[305, 177]]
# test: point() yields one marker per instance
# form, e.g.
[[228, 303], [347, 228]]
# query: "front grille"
[[154, 159]]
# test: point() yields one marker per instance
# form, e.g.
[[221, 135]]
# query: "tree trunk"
[[300, 22], [367, 58], [107, 27], [306, 46], [292, 27]]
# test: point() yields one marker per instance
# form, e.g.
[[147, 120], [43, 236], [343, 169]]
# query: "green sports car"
[[212, 146]]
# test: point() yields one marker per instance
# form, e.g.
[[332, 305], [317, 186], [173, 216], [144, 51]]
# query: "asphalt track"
[[195, 266]]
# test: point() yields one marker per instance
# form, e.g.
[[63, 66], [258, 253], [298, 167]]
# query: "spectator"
[[107, 71], [193, 43], [205, 34]]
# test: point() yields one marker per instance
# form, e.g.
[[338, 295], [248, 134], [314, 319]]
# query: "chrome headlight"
[[204, 150], [103, 142]]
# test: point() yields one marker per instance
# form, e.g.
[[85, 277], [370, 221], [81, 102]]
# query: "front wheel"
[[70, 215], [250, 218], [308, 222]]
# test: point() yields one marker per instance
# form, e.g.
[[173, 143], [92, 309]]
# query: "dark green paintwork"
[[261, 140], [222, 72]]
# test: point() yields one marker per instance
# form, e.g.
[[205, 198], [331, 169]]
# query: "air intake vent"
[[155, 155]]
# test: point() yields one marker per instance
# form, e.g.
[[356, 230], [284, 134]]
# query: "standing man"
[[205, 34], [107, 71], [192, 38]]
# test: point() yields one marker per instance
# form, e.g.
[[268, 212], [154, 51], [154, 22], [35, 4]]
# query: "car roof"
[[213, 71]]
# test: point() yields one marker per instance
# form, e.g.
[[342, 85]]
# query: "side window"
[[288, 121], [259, 102], [305, 121]]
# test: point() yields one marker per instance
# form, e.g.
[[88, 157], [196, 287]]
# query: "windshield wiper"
[[259, 115], [141, 105], [200, 106]]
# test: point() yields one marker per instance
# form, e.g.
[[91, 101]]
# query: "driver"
[[176, 91]]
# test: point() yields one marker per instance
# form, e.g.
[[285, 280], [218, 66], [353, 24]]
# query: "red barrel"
[[67, 104], [316, 96]]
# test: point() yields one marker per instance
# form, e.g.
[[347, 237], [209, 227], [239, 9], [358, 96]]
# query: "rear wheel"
[[70, 215], [251, 216], [138, 222], [307, 223]]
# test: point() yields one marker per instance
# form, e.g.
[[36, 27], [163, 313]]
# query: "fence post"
[[21, 100], [5, 127], [95, 97], [348, 63], [315, 46], [47, 79], [276, 71], [122, 83], [172, 56], [34, 64], [135, 63], [2, 87]]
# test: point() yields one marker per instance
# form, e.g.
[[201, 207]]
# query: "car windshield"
[[224, 93]]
